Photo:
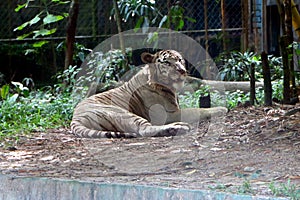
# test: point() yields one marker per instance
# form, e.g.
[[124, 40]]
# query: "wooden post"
[[286, 69], [252, 83], [121, 38], [255, 31], [71, 31], [287, 4], [264, 25], [267, 79], [245, 21]]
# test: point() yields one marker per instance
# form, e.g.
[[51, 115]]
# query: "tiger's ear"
[[147, 57]]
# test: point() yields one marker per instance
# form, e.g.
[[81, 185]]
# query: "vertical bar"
[[223, 14], [245, 24]]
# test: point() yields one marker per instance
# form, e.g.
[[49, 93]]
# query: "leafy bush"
[[37, 112], [23, 112], [230, 99], [145, 14], [191, 99], [105, 70], [236, 67]]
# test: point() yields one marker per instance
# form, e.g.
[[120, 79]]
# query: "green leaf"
[[191, 19], [4, 91], [180, 25], [145, 25], [21, 27], [13, 98], [52, 18], [39, 43], [65, 15], [81, 56], [138, 23], [17, 84], [30, 22], [21, 37], [44, 32], [19, 7], [35, 20], [29, 51], [162, 21]]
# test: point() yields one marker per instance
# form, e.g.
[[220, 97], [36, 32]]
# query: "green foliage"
[[285, 189], [230, 99], [236, 97], [22, 112], [219, 186], [44, 23], [66, 80], [236, 67], [37, 112], [177, 18], [144, 14], [246, 188], [189, 100], [4, 91], [106, 69]]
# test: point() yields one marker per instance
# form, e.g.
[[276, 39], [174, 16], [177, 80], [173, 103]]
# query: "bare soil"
[[245, 152]]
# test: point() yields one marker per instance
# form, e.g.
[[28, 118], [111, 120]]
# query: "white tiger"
[[144, 106]]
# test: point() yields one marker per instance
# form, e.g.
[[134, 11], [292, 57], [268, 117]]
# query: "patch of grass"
[[219, 186], [37, 112], [245, 188], [286, 190], [23, 111]]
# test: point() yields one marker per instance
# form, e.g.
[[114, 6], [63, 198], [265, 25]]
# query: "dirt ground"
[[245, 152]]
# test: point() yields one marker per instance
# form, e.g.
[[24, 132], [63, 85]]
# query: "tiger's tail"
[[84, 132]]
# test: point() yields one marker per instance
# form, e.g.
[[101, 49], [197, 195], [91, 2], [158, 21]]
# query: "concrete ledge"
[[19, 188]]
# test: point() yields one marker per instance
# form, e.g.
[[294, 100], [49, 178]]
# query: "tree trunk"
[[286, 69], [289, 32], [121, 38], [267, 79], [287, 53], [71, 30], [245, 31], [252, 83]]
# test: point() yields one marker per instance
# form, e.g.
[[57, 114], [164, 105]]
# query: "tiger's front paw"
[[208, 113], [218, 111], [177, 128]]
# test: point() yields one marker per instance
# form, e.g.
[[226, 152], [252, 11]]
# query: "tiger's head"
[[167, 68]]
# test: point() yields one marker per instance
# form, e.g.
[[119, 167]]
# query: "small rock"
[[47, 158], [11, 148], [249, 169]]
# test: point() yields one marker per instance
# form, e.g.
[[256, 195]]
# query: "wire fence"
[[214, 21]]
